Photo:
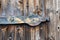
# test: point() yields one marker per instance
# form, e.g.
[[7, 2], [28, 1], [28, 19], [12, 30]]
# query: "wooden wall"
[[43, 31], [24, 32]]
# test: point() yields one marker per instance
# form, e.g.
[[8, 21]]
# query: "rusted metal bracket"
[[33, 18]]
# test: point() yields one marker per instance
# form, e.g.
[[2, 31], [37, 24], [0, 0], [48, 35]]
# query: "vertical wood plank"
[[31, 6]]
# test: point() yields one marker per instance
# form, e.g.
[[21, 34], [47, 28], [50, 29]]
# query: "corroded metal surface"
[[31, 12]]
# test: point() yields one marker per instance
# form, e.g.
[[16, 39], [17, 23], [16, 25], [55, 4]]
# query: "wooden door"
[[24, 32]]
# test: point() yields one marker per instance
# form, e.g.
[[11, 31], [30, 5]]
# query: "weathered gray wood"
[[32, 33]]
